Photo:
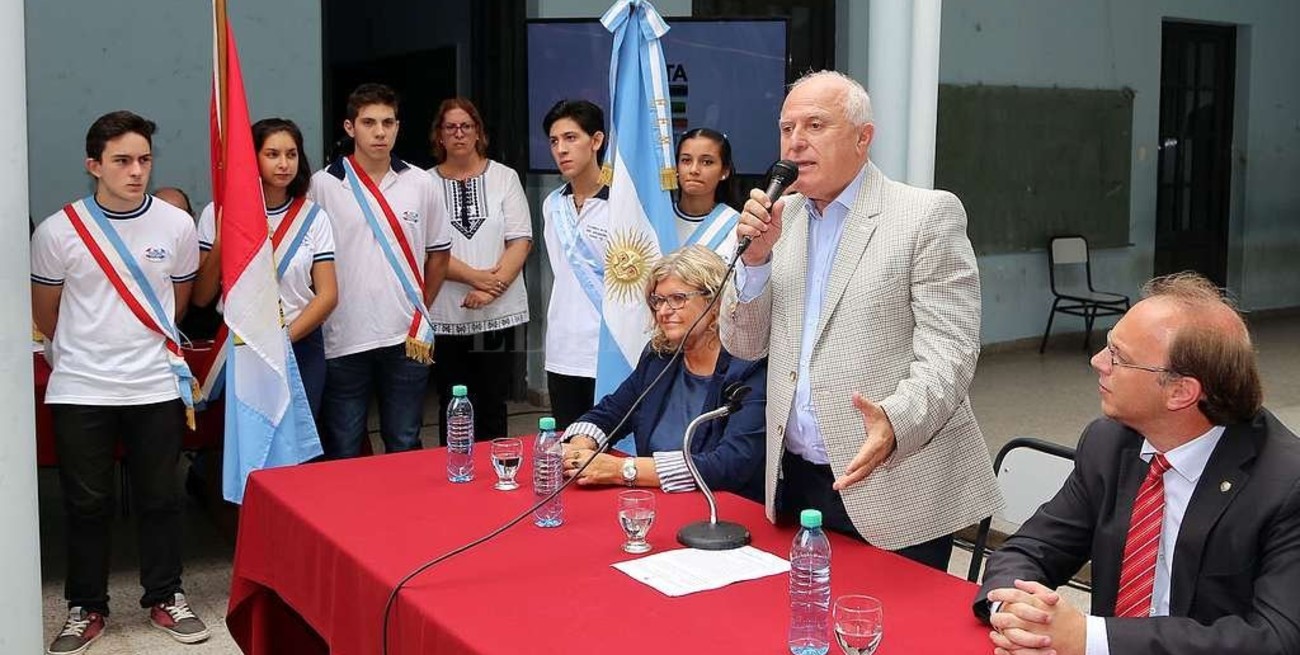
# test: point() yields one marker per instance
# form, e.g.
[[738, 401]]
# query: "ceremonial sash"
[[586, 265], [400, 256], [715, 228], [296, 222], [123, 272], [285, 241]]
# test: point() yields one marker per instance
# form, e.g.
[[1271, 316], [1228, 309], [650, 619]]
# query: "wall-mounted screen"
[[728, 75]]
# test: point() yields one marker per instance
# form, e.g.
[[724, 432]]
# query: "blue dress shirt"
[[803, 437]]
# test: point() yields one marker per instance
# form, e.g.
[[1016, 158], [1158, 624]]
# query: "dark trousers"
[[85, 437], [571, 397], [309, 352], [481, 362], [805, 485], [400, 383]]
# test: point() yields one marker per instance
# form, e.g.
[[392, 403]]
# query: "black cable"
[[677, 352]]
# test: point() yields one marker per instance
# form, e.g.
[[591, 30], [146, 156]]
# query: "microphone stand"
[[711, 534]]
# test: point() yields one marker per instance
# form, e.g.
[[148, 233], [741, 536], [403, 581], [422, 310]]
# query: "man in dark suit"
[[1186, 498]]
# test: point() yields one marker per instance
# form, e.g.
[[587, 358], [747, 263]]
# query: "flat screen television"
[[728, 75]]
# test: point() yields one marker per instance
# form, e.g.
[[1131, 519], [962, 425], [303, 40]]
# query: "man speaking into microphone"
[[864, 294]]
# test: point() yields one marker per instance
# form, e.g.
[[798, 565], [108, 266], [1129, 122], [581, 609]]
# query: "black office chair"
[[1070, 272], [1030, 471]]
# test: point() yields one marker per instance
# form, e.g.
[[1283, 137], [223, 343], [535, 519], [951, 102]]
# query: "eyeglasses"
[[452, 128], [674, 300], [1116, 361]]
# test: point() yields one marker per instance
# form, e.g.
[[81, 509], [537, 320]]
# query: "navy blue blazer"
[[728, 451]]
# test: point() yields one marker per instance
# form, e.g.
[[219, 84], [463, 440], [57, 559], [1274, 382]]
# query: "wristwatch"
[[629, 471]]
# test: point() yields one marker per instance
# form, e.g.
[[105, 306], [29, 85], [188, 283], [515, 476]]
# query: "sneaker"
[[177, 619], [79, 632]]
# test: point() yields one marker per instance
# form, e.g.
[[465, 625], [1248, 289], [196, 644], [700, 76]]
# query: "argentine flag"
[[641, 170], [268, 419]]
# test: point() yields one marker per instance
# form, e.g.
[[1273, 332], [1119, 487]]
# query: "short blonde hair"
[[694, 265]]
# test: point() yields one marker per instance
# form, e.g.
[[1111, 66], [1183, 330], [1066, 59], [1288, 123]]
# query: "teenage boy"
[[392, 246], [110, 275]]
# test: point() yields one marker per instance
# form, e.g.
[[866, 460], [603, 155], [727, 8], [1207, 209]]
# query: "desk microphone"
[[780, 176], [713, 534]]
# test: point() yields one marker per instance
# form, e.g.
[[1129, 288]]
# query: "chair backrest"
[[1067, 264], [1069, 250], [1030, 471]]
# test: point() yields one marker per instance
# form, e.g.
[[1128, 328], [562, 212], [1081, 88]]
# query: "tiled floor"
[[1014, 393]]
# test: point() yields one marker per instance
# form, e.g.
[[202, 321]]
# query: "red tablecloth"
[[210, 422], [321, 546]]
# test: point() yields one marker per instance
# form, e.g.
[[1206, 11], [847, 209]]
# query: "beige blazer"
[[901, 324]]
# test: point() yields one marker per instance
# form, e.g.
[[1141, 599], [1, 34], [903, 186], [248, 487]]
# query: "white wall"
[[20, 561], [154, 57], [1116, 43]]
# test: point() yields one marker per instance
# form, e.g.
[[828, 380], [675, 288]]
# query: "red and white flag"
[[268, 421]]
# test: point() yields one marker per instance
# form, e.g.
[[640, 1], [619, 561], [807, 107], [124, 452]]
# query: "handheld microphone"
[[780, 176], [713, 534]]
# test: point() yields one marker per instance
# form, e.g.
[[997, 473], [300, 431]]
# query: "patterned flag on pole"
[[268, 420], [641, 173]]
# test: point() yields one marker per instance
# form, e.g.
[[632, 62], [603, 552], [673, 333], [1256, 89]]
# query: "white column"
[[20, 560], [889, 55], [924, 99]]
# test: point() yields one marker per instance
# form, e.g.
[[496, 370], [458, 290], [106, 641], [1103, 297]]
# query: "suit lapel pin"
[[1225, 486]]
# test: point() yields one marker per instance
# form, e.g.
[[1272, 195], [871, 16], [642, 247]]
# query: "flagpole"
[[219, 6]]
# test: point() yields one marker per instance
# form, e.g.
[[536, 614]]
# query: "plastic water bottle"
[[548, 456], [810, 587], [460, 436]]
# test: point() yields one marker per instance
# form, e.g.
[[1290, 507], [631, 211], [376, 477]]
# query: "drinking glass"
[[636, 513], [507, 453], [859, 624]]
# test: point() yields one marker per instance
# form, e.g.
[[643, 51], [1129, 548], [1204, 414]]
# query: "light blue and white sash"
[[587, 266]]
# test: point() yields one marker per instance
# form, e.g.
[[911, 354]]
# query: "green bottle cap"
[[810, 518], [459, 391], [546, 423]]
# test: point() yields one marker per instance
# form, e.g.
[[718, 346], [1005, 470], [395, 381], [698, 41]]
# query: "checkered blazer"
[[901, 324]]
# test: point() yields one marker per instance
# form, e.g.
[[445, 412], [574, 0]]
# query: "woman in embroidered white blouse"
[[483, 300]]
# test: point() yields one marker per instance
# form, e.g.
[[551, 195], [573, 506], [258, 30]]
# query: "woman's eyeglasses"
[[673, 300], [452, 128]]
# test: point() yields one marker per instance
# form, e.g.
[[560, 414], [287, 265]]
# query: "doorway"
[[1194, 169]]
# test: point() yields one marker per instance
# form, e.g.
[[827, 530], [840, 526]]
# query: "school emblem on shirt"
[[411, 217], [155, 254], [627, 264]]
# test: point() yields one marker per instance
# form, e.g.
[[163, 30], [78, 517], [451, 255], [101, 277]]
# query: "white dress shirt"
[[1186, 462]]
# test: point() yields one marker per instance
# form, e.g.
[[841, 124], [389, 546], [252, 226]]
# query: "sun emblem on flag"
[[627, 264]]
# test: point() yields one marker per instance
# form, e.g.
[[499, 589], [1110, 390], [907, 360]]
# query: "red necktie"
[[1137, 577]]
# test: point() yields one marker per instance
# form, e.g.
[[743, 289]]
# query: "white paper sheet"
[[687, 570]]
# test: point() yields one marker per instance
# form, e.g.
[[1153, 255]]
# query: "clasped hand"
[[1035, 620]]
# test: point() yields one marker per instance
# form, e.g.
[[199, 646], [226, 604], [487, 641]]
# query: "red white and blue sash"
[[285, 241], [400, 256], [123, 272]]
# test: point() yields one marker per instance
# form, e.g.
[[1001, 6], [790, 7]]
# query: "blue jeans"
[[399, 383], [309, 352]]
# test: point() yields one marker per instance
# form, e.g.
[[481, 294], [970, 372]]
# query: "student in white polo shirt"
[[576, 232], [110, 273], [392, 245], [303, 244]]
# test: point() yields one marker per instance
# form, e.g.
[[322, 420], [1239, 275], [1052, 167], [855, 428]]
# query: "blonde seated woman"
[[728, 452]]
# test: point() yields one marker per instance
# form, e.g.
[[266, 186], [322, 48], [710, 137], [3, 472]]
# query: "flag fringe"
[[668, 179], [190, 420], [607, 174], [419, 351]]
